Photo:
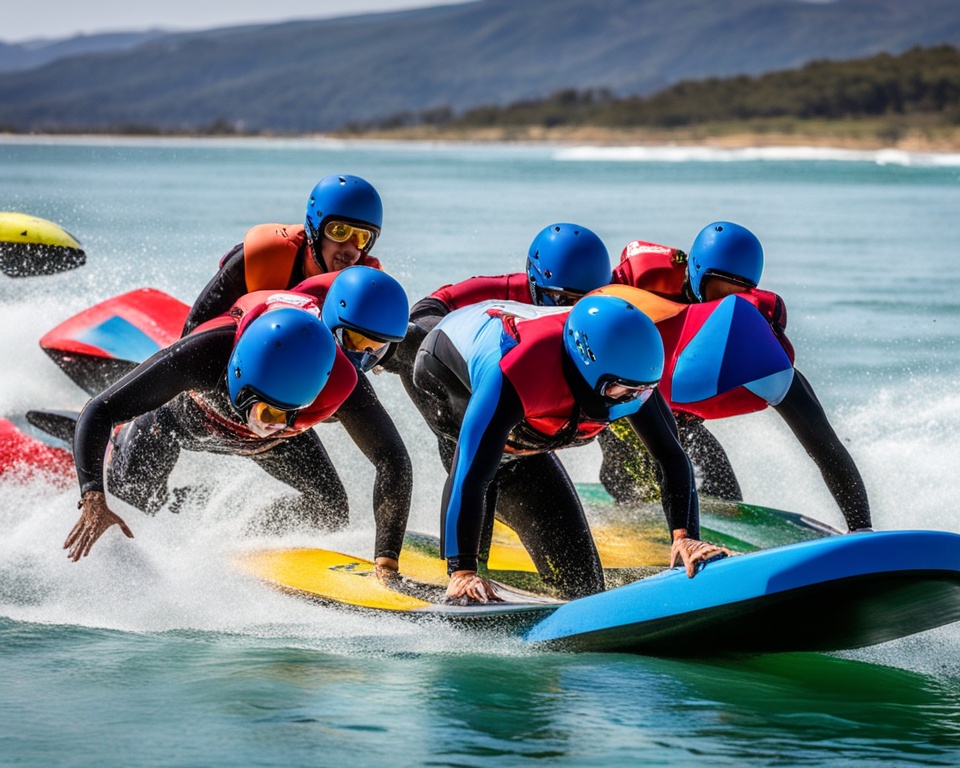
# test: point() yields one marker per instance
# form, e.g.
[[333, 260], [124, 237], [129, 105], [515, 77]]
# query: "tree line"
[[920, 82]]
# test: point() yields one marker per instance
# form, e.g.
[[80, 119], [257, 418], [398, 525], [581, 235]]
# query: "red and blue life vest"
[[534, 366], [247, 308]]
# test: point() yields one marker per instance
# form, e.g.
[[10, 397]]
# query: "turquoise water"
[[157, 651]]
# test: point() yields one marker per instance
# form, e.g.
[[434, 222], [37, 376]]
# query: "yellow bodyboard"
[[327, 575], [619, 546]]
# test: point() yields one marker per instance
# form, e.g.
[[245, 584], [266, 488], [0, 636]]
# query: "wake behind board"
[[32, 246], [348, 581], [831, 594], [98, 346]]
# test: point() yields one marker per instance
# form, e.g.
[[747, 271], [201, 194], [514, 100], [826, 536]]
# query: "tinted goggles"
[[251, 406], [341, 232], [617, 391], [361, 350], [557, 297]]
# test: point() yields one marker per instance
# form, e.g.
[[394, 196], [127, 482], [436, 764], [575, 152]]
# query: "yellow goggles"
[[340, 232], [365, 353], [359, 343], [267, 414]]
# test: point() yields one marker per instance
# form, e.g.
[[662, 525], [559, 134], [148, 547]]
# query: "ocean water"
[[157, 651]]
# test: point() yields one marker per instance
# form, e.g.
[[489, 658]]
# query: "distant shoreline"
[[944, 141], [941, 141]]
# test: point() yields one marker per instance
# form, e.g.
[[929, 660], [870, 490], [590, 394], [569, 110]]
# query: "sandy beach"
[[842, 136]]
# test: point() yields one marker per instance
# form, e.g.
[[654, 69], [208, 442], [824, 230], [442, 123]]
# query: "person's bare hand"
[[469, 584], [95, 519], [693, 553]]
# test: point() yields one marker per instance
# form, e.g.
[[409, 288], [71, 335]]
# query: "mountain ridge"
[[315, 76]]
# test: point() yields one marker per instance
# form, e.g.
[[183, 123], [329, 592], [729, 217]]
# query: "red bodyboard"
[[21, 455], [131, 327]]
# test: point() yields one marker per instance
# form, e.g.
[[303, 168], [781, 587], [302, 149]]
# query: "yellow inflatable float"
[[33, 246]]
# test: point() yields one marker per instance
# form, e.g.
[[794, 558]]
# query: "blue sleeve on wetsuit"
[[493, 411]]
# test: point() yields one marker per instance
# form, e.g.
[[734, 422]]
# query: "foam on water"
[[695, 154], [160, 212]]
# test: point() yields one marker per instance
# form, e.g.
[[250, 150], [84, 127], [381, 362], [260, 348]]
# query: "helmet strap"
[[313, 252], [592, 405]]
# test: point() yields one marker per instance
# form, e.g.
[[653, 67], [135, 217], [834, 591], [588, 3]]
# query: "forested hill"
[[923, 83], [320, 75]]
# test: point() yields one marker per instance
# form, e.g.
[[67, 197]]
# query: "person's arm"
[[805, 416], [371, 428], [493, 411], [657, 429], [224, 288], [193, 363], [196, 362], [429, 306]]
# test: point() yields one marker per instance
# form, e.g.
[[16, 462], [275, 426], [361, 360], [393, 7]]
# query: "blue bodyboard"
[[830, 594]]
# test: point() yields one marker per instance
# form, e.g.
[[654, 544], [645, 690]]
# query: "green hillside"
[[882, 96], [319, 75]]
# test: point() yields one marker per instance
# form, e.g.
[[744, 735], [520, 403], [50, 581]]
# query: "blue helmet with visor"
[[366, 309], [566, 261], [283, 359], [344, 207], [725, 250], [616, 349]]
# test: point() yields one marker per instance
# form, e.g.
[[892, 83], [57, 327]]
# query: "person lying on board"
[[343, 221], [726, 259], [253, 382], [565, 262], [504, 385]]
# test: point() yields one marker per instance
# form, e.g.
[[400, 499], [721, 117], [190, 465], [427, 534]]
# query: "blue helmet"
[[365, 308], [283, 358], [610, 342], [725, 250], [344, 198], [566, 261]]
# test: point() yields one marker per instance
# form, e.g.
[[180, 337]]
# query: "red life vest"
[[247, 308], [270, 254], [679, 324], [663, 270], [535, 369], [659, 269], [501, 288]]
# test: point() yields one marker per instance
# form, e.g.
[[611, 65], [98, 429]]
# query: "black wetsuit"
[[226, 286], [531, 493], [162, 419]]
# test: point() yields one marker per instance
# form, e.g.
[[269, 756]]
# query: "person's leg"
[[142, 455], [627, 472], [538, 500], [404, 356], [716, 475], [303, 464]]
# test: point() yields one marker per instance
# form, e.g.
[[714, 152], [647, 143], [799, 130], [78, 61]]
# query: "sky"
[[23, 20]]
